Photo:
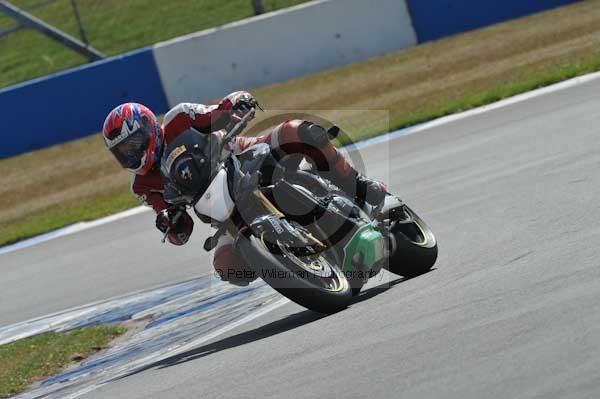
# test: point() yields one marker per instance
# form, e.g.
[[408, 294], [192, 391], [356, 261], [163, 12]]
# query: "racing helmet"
[[133, 135]]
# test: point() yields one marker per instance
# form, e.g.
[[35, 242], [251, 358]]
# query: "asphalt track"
[[512, 310]]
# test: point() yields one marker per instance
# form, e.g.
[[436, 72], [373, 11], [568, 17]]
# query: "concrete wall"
[[280, 46], [435, 19]]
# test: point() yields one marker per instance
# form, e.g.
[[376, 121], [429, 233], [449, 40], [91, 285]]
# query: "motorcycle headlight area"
[[192, 176]]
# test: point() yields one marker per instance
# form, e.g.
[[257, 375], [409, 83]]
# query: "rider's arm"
[[149, 191], [204, 118]]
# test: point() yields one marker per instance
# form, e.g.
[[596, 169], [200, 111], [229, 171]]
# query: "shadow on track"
[[374, 291], [277, 327], [380, 289]]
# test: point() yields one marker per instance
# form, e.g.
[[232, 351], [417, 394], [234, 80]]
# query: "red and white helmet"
[[134, 136]]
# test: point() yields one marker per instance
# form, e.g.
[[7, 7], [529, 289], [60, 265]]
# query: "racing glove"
[[179, 230], [244, 104]]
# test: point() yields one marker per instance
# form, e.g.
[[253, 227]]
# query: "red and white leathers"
[[285, 138]]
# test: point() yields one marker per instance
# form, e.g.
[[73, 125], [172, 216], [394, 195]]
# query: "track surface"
[[513, 310]]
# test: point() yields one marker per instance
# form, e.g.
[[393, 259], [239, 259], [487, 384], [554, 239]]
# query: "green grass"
[[474, 100], [499, 93], [112, 27], [66, 213], [31, 359]]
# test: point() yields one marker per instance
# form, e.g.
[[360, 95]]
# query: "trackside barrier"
[[435, 19], [281, 45], [255, 52], [73, 104]]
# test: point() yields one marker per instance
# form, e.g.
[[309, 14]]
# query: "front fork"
[[232, 228]]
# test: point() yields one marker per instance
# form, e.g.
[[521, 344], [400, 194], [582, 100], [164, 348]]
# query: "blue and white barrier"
[[255, 52], [73, 104], [435, 19], [280, 46]]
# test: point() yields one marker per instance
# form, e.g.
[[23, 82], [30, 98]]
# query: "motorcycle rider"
[[134, 136]]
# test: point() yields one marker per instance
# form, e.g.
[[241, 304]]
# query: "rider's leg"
[[229, 265], [312, 141]]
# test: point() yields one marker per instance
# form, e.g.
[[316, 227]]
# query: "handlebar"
[[237, 129]]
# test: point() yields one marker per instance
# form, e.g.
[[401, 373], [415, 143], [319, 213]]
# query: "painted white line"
[[75, 228], [72, 229]]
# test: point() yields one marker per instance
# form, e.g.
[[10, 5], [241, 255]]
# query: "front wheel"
[[312, 281], [415, 246]]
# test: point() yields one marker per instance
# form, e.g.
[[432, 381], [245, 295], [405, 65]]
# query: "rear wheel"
[[415, 245], [311, 280]]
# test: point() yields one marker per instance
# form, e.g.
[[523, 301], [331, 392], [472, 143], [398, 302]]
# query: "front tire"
[[326, 294]]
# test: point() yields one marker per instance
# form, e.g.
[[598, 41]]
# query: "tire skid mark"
[[181, 316]]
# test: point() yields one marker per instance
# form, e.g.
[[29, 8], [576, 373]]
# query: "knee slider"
[[313, 134]]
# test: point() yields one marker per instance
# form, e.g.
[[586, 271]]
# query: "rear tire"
[[416, 246], [303, 288]]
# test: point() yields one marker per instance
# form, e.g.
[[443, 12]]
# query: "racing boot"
[[370, 191], [362, 188]]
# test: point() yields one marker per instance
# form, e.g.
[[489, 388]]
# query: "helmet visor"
[[131, 150]]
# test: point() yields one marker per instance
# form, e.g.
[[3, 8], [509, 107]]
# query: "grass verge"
[[63, 214], [111, 26], [511, 89], [28, 360], [79, 180]]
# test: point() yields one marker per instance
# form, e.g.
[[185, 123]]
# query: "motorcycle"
[[297, 231]]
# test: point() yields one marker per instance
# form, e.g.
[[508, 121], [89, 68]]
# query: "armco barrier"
[[73, 104], [281, 46], [435, 19]]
